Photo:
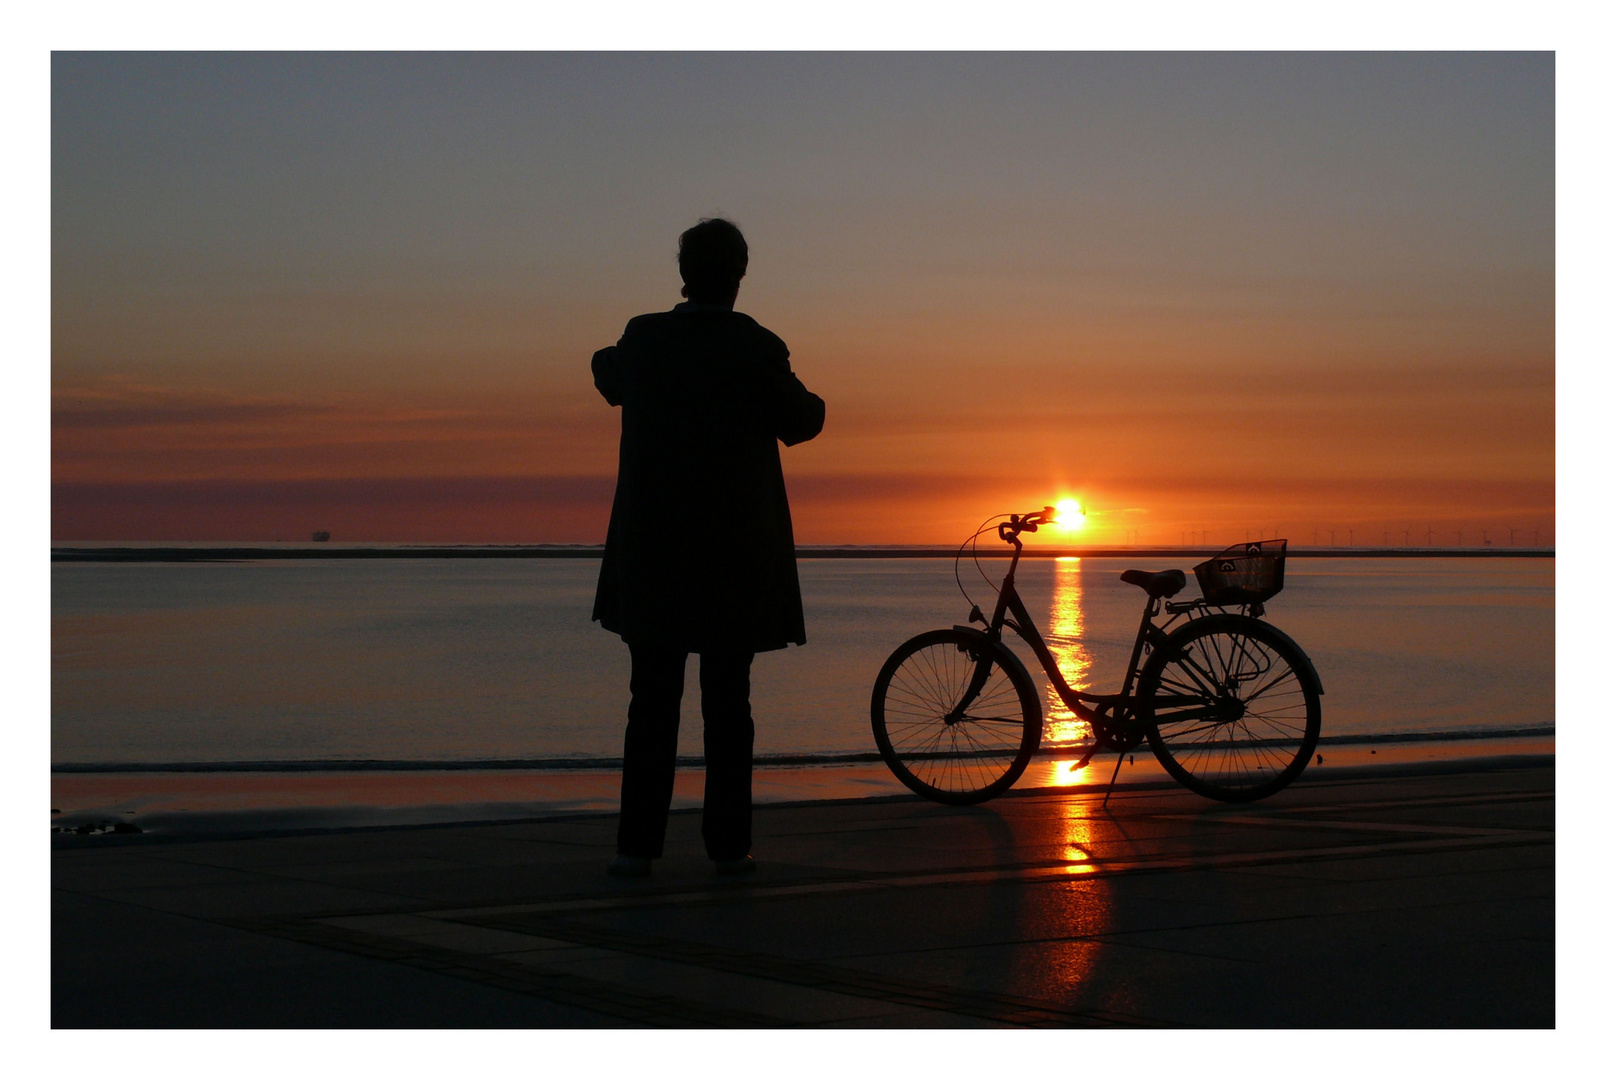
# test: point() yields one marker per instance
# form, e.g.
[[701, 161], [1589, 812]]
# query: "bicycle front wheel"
[[955, 716], [1233, 707]]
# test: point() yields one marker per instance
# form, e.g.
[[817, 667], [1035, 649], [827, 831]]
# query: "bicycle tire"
[[965, 761], [1232, 708]]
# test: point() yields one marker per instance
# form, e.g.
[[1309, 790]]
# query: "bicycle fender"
[[1282, 639], [1007, 655], [1293, 646]]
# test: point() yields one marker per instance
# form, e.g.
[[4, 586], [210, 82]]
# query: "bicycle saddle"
[[1166, 583]]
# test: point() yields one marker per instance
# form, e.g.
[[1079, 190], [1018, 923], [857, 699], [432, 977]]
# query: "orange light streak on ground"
[[1083, 910], [1078, 837]]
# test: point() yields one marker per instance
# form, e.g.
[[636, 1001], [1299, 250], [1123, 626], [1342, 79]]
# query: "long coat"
[[700, 554]]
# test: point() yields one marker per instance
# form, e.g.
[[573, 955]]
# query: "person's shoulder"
[[767, 340], [644, 330], [650, 320]]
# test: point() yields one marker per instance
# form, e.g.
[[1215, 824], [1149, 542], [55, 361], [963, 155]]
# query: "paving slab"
[[1398, 900]]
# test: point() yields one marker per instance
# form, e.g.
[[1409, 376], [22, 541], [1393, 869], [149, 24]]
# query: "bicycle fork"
[[978, 680]]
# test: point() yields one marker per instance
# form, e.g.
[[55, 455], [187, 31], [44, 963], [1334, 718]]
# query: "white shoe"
[[629, 866]]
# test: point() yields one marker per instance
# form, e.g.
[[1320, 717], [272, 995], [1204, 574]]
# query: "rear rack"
[[1189, 607]]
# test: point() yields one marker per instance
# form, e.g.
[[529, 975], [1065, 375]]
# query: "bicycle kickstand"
[[1119, 758]]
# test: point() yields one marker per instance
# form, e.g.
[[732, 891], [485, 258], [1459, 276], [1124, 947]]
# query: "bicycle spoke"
[[981, 748], [1232, 716], [1288, 673]]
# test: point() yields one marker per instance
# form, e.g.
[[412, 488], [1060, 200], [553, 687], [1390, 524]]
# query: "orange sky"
[[1252, 295]]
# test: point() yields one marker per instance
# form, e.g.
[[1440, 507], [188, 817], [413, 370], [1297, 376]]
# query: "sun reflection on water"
[[1064, 637]]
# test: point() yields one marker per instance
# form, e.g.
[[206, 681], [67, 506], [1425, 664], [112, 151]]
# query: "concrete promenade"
[[1356, 899]]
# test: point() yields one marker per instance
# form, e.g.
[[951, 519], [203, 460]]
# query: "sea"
[[447, 662]]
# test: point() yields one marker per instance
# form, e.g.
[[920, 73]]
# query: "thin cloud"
[[115, 403]]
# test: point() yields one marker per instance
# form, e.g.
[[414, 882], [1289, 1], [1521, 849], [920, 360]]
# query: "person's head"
[[713, 260]]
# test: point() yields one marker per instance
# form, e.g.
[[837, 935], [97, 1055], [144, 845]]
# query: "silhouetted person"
[[699, 556]]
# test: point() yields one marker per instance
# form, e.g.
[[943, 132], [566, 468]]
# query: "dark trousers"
[[657, 679]]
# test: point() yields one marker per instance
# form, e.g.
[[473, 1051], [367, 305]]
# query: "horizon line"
[[219, 551]]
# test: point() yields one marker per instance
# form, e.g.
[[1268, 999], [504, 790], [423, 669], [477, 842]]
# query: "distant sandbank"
[[256, 552]]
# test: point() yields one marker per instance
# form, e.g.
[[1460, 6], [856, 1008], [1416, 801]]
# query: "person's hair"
[[713, 259]]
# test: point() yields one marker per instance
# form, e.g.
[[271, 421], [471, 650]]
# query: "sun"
[[1069, 515]]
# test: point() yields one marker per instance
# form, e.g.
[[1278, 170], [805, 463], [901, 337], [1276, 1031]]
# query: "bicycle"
[[1229, 704]]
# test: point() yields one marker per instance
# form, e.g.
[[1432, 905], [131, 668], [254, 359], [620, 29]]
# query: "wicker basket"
[[1244, 573]]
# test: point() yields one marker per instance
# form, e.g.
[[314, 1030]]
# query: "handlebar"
[[1009, 532]]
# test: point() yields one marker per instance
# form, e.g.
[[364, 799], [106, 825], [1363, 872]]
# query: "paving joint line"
[[831, 978], [1440, 800], [1113, 937], [530, 980], [1027, 874], [1223, 812], [1367, 826], [1064, 872]]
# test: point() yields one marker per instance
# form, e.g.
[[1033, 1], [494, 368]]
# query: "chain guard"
[[1113, 736]]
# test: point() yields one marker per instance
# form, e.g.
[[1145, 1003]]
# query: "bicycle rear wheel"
[[937, 749], [1233, 708]]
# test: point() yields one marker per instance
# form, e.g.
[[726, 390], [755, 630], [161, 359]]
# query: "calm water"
[[442, 660]]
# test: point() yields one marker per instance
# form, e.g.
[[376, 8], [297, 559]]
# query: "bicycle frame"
[[1112, 716], [1097, 709]]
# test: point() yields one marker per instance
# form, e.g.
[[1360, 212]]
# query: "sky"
[[1208, 295]]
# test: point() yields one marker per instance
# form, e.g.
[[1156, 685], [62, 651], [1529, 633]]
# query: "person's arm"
[[799, 415], [606, 374], [611, 367]]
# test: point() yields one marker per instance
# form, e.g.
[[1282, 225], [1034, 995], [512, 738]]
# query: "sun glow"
[[1069, 515]]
